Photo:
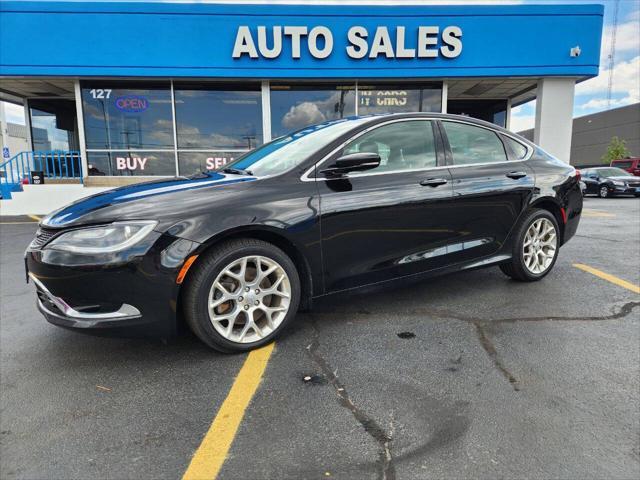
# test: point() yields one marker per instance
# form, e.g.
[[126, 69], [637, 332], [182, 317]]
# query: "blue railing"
[[54, 164]]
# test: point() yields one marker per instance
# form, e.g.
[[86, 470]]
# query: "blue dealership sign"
[[295, 41]]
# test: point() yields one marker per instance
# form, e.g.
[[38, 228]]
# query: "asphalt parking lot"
[[466, 376]]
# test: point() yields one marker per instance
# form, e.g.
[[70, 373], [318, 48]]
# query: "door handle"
[[433, 182], [516, 175]]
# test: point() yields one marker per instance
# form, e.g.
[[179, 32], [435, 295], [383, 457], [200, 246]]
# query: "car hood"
[[161, 200]]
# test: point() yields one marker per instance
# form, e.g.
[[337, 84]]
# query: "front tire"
[[241, 295], [535, 248], [603, 191]]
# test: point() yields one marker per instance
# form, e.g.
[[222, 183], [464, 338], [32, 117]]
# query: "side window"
[[401, 145], [471, 144], [518, 150]]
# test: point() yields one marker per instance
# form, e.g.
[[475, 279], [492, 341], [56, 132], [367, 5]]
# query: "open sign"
[[132, 103]]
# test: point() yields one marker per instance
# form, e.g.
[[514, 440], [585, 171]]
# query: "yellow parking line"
[[212, 452], [608, 277], [596, 213], [35, 217]]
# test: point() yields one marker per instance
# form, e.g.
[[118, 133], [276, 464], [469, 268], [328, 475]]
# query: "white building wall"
[[14, 136]]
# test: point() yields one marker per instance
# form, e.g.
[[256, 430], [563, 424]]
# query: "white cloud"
[[603, 103], [627, 39], [523, 117], [522, 122], [626, 81], [303, 114]]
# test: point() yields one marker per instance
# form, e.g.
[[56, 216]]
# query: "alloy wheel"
[[604, 192], [539, 246], [249, 299]]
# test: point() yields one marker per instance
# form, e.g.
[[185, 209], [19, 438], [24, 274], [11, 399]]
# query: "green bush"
[[616, 150]]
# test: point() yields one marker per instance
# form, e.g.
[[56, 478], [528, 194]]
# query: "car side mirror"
[[353, 162]]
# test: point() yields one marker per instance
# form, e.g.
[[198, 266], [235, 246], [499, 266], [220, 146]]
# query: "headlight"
[[105, 239], [618, 184]]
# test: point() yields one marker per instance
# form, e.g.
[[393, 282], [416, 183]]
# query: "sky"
[[591, 95]]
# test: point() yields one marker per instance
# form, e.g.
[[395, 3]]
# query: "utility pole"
[[612, 50]]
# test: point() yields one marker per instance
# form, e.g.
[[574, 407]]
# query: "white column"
[[81, 136], [4, 130], [175, 128], [554, 116], [27, 121], [445, 96], [266, 111]]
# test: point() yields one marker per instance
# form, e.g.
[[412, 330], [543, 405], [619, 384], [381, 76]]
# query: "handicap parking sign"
[[5, 152]]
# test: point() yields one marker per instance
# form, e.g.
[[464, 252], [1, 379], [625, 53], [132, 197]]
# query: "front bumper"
[[58, 312], [626, 190], [134, 295]]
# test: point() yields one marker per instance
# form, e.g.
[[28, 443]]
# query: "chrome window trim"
[[307, 178]]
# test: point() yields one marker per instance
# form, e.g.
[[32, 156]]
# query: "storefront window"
[[218, 117], [131, 163], [296, 106], [130, 126], [53, 124], [195, 162], [397, 98], [127, 116]]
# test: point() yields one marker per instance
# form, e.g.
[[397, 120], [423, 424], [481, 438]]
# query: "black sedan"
[[609, 181], [334, 207]]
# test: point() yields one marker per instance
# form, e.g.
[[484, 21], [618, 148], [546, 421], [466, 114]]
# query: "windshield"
[[613, 172], [289, 151]]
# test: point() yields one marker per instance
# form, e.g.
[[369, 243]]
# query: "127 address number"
[[100, 93]]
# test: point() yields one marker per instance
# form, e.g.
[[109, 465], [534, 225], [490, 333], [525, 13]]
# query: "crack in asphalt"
[[488, 346], [592, 237], [382, 438], [486, 343]]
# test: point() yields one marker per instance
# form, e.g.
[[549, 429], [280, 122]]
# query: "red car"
[[631, 165]]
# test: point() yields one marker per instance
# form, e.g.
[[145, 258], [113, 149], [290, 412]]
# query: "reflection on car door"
[[490, 187], [389, 221]]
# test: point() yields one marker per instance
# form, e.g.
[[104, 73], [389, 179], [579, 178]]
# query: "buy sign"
[[130, 163]]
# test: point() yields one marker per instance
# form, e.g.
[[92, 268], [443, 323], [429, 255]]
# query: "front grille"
[[634, 184], [43, 236]]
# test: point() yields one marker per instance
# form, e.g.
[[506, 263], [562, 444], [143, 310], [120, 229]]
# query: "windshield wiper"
[[237, 171]]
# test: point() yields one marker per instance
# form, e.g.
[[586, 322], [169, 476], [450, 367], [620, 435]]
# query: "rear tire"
[[241, 295], [535, 247]]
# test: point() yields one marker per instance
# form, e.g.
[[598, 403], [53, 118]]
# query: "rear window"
[[471, 144], [518, 149]]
